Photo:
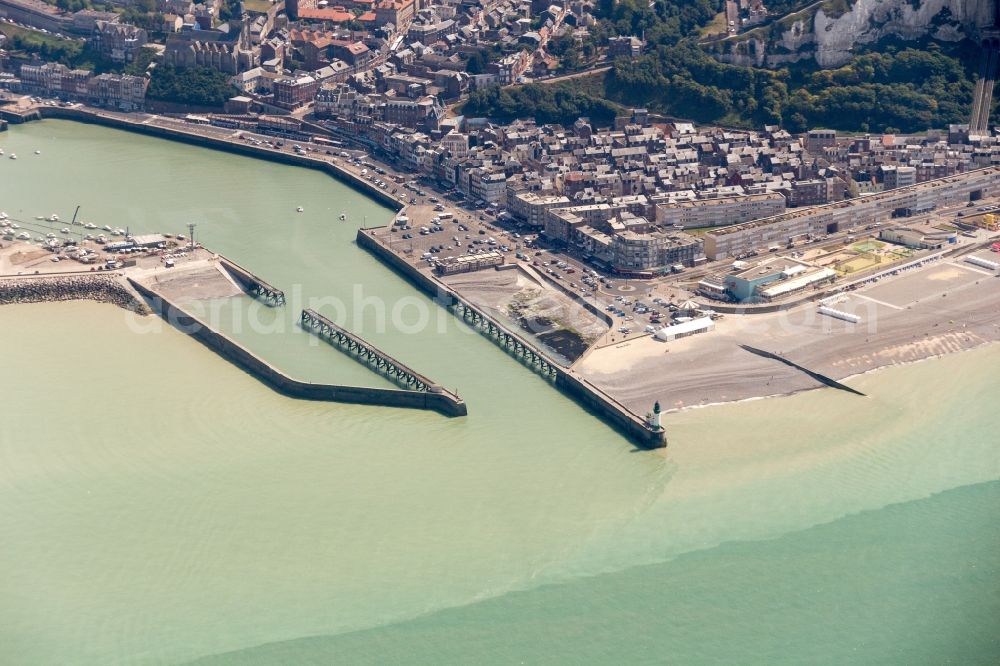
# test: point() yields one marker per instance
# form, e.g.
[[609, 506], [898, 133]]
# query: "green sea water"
[[158, 505]]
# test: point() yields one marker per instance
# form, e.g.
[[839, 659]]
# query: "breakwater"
[[376, 359], [254, 365], [100, 288], [253, 285], [603, 405]]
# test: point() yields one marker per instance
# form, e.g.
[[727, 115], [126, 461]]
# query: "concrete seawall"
[[374, 358], [595, 400], [254, 365], [232, 146]]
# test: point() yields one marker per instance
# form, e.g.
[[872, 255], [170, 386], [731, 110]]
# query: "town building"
[[118, 42]]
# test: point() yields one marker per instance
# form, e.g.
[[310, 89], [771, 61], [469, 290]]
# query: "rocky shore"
[[100, 288]]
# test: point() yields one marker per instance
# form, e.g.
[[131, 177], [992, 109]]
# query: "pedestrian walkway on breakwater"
[[243, 358], [368, 354], [254, 285], [633, 426]]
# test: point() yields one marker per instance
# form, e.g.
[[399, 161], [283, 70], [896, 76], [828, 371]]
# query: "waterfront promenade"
[[205, 135]]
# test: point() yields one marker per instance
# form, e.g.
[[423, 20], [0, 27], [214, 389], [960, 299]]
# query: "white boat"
[[50, 235], [106, 227], [64, 230], [13, 156], [1, 151], [343, 216], [118, 232], [3, 215], [24, 235], [38, 152], [53, 218], [90, 225], [300, 209], [39, 217]]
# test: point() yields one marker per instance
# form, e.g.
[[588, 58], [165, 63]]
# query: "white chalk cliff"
[[831, 39]]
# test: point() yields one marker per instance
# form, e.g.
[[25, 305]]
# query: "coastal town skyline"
[[423, 331]]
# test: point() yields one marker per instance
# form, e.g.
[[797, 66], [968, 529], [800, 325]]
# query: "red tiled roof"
[[333, 15]]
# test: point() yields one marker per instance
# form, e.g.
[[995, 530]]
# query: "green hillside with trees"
[[201, 86], [898, 86]]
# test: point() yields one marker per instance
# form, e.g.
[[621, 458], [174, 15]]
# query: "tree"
[[201, 86], [476, 63]]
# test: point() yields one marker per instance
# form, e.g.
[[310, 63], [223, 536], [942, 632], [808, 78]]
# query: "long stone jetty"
[[603, 405], [376, 359], [278, 380], [252, 284]]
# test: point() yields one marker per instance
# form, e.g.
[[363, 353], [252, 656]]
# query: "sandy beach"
[[937, 310]]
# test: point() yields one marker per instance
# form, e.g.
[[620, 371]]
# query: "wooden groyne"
[[603, 405], [253, 285], [823, 379], [373, 357], [279, 381]]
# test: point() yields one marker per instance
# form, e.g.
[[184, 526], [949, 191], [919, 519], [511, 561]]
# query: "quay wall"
[[606, 407], [254, 365], [100, 288], [218, 143]]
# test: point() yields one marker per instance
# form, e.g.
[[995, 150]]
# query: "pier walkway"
[[441, 402], [367, 353], [254, 285], [632, 425], [510, 342]]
